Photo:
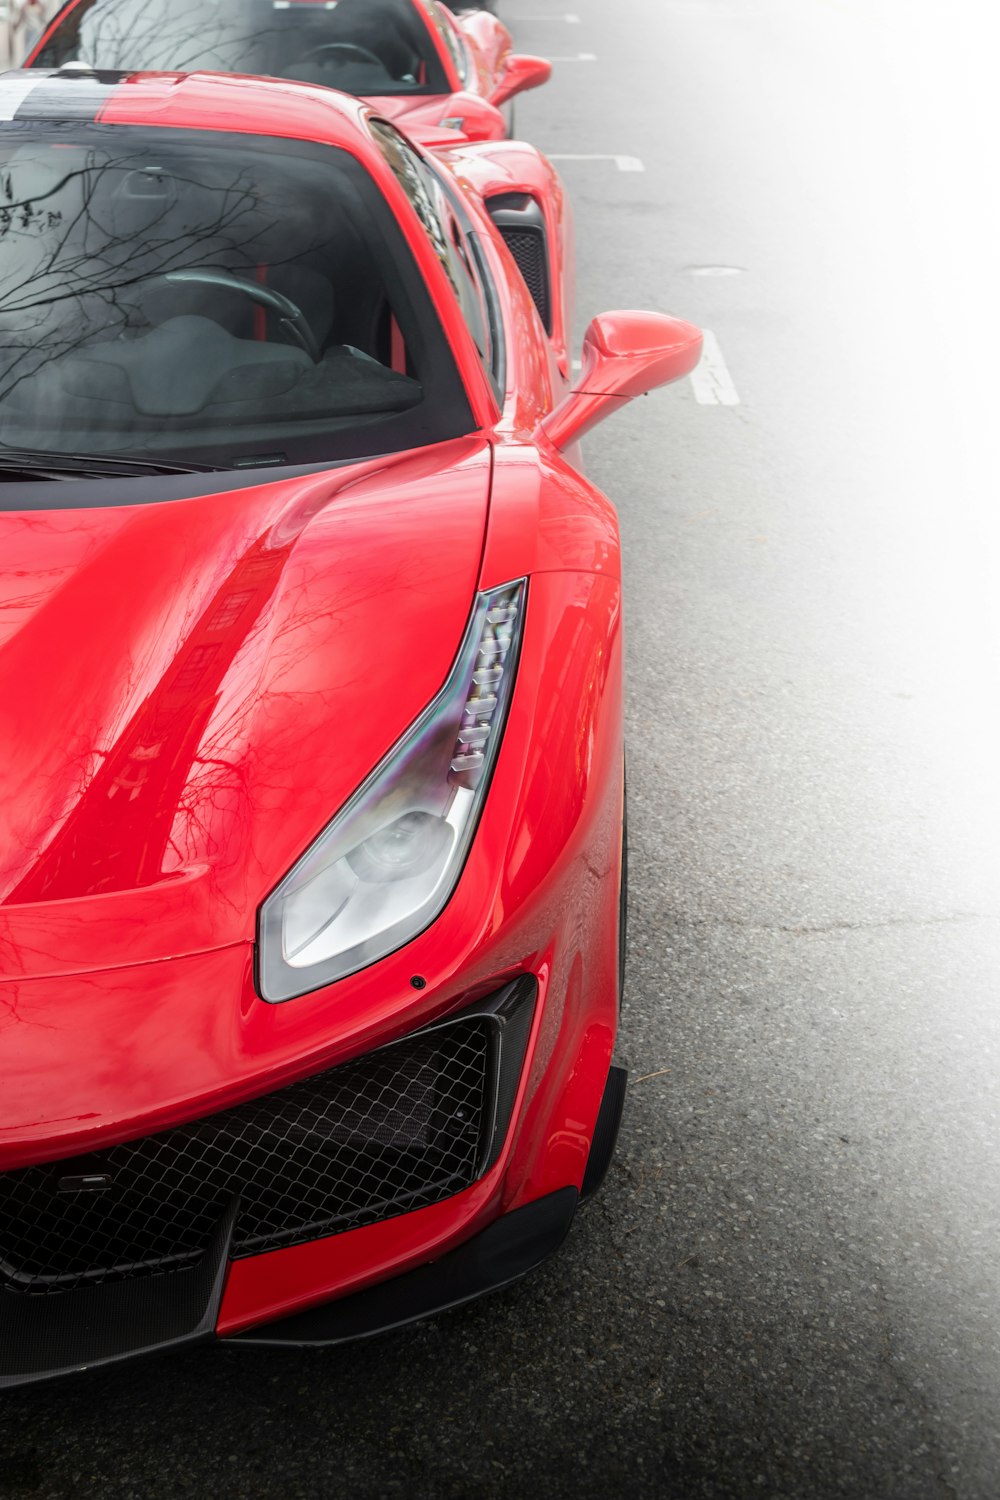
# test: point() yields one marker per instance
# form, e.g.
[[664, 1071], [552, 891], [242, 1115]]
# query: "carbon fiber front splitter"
[[504, 1252]]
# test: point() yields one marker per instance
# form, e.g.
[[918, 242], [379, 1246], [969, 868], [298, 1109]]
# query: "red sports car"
[[311, 878], [422, 65]]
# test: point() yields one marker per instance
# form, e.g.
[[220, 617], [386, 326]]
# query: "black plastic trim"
[[44, 1337], [609, 1118], [509, 1249]]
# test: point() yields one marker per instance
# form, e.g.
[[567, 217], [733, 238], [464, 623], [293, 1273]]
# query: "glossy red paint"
[[198, 1055], [540, 884], [522, 72], [464, 116], [625, 354], [169, 769], [255, 653]]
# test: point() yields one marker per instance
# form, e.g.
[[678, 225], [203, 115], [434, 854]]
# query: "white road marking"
[[623, 163], [570, 20], [579, 57], [715, 270], [713, 384]]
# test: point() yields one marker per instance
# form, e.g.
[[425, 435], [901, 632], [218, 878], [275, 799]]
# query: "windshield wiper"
[[31, 463]]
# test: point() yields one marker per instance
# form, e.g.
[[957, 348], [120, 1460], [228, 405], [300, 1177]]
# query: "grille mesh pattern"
[[396, 1130], [527, 246]]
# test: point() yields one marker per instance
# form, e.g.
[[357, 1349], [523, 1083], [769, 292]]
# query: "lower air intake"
[[398, 1129]]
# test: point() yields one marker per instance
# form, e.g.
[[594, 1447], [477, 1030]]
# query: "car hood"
[[405, 110], [421, 116], [189, 691]]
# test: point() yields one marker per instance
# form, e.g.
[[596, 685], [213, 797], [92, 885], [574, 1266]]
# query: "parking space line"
[[713, 384], [623, 163]]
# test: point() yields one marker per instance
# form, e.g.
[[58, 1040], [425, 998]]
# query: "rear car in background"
[[423, 66], [312, 858]]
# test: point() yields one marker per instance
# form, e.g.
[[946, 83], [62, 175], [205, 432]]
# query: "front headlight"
[[387, 864]]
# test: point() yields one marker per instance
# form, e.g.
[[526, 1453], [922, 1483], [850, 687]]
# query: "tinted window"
[[209, 299], [366, 47]]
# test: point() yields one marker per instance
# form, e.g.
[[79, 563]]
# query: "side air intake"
[[520, 222]]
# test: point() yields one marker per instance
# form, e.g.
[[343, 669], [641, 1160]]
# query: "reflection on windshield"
[[193, 300], [365, 47]]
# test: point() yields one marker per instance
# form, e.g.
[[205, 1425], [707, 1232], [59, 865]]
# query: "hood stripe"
[[13, 91], [53, 96]]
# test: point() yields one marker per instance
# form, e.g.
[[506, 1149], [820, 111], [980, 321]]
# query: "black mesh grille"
[[527, 246], [399, 1129]]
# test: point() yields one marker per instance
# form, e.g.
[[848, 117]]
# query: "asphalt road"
[[790, 1284]]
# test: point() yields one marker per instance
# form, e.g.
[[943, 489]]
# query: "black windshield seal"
[[159, 489]]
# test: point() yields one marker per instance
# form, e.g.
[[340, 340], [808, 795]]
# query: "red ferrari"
[[422, 65], [312, 877]]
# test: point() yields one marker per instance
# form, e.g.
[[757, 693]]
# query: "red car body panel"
[[223, 650], [169, 767]]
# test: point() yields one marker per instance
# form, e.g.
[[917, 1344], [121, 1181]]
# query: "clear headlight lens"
[[387, 864]]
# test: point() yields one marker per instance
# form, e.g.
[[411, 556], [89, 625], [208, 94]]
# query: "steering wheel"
[[291, 317], [351, 48]]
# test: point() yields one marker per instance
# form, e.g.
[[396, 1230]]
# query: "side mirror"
[[521, 73], [625, 354], [475, 117]]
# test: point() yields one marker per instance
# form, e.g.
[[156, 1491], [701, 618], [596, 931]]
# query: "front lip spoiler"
[[140, 1322], [508, 1249], [66, 1335]]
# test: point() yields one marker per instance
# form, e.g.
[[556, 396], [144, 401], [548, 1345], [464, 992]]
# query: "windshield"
[[227, 300], [365, 47]]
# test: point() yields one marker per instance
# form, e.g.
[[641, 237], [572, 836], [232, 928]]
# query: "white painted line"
[[623, 163], [570, 20], [579, 57], [713, 384]]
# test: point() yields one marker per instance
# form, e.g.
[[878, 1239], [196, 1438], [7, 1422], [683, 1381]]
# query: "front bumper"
[[94, 1060], [512, 1246], [125, 1249], [49, 1329]]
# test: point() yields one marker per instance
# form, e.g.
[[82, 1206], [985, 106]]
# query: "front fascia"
[[552, 911], [137, 1050]]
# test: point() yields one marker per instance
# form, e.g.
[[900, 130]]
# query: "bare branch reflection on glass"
[[174, 297]]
